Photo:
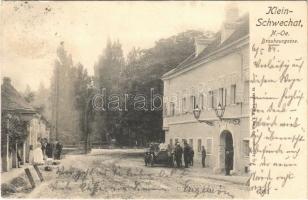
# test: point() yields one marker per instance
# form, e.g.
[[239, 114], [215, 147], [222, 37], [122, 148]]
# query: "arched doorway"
[[226, 152]]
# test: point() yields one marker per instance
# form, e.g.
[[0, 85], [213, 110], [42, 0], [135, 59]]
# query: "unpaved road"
[[122, 174]]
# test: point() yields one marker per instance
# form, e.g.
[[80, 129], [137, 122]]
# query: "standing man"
[[229, 160], [178, 151], [58, 150], [186, 154], [203, 155], [192, 154]]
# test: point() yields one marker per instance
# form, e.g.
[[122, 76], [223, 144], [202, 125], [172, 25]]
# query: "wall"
[[223, 72]]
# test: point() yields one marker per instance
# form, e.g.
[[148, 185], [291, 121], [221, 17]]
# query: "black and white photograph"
[[126, 100]]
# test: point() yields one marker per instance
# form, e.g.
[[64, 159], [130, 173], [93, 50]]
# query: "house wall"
[[221, 72]]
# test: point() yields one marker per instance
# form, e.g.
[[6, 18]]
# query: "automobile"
[[158, 153]]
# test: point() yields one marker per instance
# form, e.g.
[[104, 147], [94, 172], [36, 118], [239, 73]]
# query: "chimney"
[[231, 12], [202, 42], [229, 25], [6, 81]]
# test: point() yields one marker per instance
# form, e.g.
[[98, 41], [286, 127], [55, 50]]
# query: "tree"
[[65, 117], [29, 94], [141, 73], [108, 74], [81, 81]]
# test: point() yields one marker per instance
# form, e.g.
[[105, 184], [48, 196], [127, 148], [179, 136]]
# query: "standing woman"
[[38, 158]]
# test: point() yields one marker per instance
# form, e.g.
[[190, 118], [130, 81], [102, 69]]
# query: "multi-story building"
[[215, 75]]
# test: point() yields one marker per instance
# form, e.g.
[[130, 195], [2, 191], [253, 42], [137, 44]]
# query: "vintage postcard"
[[153, 100]]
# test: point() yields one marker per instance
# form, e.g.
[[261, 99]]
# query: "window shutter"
[[209, 100], [216, 98], [226, 96]]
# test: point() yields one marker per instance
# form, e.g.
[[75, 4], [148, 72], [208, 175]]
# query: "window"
[[233, 94], [201, 101], [193, 102], [209, 146], [222, 96], [246, 148], [191, 143], [172, 109], [211, 99], [199, 145], [184, 104]]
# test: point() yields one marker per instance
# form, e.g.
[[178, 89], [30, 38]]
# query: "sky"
[[30, 32]]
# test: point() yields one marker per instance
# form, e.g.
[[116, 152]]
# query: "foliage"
[[138, 74], [141, 73], [29, 95], [68, 96], [80, 81], [108, 73], [41, 101], [14, 127]]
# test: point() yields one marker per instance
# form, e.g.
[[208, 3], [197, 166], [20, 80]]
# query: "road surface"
[[122, 174]]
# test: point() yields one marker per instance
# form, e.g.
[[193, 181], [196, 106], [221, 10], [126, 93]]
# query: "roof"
[[11, 99], [241, 31]]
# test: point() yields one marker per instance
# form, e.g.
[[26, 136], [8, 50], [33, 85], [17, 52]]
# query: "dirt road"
[[122, 174]]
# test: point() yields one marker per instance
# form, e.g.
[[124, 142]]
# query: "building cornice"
[[209, 119]]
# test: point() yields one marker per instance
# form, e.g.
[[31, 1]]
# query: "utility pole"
[[57, 103]]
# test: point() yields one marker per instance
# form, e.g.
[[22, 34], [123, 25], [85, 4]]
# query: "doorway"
[[226, 151]]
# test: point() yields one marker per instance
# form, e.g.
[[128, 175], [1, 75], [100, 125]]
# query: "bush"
[[19, 182], [7, 189]]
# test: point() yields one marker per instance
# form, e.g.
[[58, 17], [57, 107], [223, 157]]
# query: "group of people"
[[52, 150], [44, 150], [188, 153]]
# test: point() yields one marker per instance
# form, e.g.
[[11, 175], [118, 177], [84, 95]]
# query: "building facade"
[[216, 74], [21, 126]]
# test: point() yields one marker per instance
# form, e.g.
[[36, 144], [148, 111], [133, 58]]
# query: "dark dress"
[[49, 150], [187, 150], [58, 151]]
